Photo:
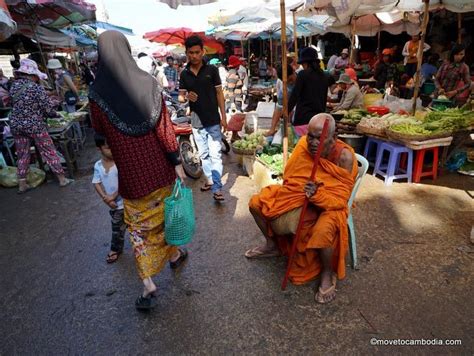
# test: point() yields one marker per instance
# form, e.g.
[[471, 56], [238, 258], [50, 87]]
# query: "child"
[[105, 181]]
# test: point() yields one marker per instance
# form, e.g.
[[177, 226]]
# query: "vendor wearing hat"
[[310, 91], [343, 60], [31, 106], [352, 97], [386, 72], [234, 86], [65, 87]]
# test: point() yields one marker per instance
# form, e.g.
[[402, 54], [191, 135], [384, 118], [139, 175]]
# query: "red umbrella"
[[171, 35]]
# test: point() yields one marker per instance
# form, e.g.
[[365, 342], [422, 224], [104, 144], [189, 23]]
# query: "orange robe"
[[330, 201]]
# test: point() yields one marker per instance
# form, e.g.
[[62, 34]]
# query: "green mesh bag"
[[179, 215]]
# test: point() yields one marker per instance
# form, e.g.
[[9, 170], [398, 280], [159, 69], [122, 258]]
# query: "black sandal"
[[145, 303], [113, 256], [182, 257], [206, 187], [218, 196]]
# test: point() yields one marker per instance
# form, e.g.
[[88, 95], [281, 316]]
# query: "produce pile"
[[347, 125], [450, 119], [253, 142], [61, 121], [274, 162], [435, 124]]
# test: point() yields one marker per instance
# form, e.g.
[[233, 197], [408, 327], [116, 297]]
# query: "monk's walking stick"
[[322, 139]]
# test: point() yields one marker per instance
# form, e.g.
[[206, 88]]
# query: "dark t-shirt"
[[204, 85], [309, 96]]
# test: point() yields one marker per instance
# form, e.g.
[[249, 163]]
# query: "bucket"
[[372, 99], [428, 88], [357, 142]]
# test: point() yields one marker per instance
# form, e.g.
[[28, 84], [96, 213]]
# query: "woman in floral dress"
[[31, 106]]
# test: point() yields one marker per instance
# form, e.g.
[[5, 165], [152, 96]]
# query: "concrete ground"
[[58, 296]]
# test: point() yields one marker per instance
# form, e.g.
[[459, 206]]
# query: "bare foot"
[[262, 252]]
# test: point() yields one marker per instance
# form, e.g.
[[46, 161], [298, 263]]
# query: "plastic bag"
[[456, 161], [9, 179], [179, 215]]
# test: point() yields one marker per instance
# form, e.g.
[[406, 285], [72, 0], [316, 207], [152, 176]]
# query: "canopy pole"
[[271, 50], [248, 60], [285, 81], [459, 28], [353, 28], [426, 17], [43, 60], [378, 42], [295, 32]]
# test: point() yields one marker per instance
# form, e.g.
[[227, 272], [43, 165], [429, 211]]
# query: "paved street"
[[58, 296]]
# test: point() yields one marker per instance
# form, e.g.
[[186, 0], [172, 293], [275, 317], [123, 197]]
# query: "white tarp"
[[7, 25], [344, 8], [175, 3], [48, 37]]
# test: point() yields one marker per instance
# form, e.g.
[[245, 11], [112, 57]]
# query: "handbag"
[[179, 216], [70, 98]]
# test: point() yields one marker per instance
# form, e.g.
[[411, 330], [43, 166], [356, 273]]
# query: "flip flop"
[[319, 296], [145, 303], [183, 255], [218, 196], [68, 181], [24, 190], [257, 252], [206, 187], [113, 256]]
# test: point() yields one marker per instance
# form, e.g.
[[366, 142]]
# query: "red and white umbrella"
[[175, 3], [171, 36]]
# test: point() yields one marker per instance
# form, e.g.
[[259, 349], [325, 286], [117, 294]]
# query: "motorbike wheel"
[[225, 145], [189, 158]]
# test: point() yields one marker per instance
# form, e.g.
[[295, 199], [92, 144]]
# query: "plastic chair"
[[364, 166], [418, 169], [392, 170], [371, 141]]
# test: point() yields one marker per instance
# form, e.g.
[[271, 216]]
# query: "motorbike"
[[184, 134]]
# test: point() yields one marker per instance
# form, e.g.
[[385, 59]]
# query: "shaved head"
[[318, 122], [315, 129]]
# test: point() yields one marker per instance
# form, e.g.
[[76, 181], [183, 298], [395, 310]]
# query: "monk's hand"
[[310, 189]]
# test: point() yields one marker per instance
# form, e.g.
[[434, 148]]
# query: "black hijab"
[[130, 97]]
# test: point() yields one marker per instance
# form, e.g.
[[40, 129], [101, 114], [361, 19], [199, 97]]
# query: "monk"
[[323, 242]]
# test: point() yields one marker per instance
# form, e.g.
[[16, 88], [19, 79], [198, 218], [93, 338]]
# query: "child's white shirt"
[[109, 180]]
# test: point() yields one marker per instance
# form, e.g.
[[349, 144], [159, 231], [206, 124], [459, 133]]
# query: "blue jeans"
[[208, 141]]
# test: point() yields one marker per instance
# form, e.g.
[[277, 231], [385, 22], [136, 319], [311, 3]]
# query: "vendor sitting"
[[352, 97], [323, 242]]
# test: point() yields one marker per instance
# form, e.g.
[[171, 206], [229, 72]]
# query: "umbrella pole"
[[43, 60], [271, 51], [426, 17], [351, 58], [459, 28], [378, 42], [285, 81], [295, 32]]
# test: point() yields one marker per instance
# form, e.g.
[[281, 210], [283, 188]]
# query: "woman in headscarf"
[[128, 109]]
